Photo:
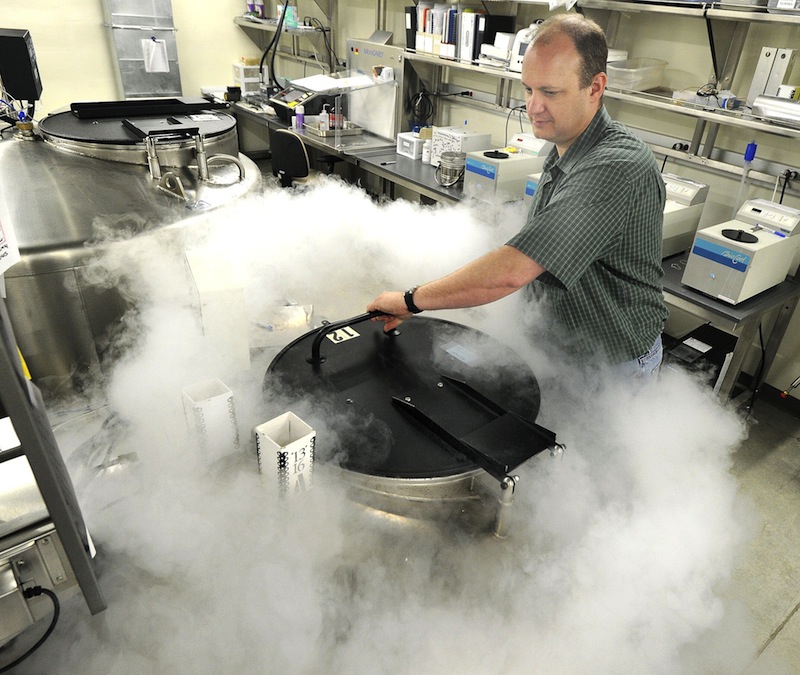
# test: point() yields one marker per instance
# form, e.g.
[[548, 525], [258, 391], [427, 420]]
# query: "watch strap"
[[408, 296]]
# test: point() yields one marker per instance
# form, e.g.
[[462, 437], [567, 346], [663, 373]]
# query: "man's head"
[[563, 74]]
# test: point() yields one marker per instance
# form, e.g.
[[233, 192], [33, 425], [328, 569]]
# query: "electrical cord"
[[421, 107], [518, 108], [30, 593], [321, 28], [783, 189]]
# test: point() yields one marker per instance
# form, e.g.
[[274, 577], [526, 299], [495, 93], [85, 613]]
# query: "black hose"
[[273, 78], [783, 189], [274, 42], [29, 593]]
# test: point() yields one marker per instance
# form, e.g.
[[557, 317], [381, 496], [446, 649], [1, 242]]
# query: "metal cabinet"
[[43, 540], [143, 37]]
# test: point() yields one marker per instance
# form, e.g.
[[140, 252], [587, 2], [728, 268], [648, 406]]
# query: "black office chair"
[[290, 161]]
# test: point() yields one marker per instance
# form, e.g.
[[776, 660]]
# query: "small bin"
[[248, 78], [211, 417], [636, 74], [409, 145], [285, 448]]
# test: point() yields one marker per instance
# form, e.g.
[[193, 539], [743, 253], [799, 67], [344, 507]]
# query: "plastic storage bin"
[[409, 145], [637, 74], [247, 77]]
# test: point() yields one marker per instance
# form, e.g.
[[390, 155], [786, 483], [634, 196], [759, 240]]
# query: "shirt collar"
[[588, 138]]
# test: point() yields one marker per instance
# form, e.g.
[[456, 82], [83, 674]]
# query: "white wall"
[[76, 61]]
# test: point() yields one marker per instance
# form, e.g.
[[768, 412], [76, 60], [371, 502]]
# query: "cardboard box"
[[455, 139]]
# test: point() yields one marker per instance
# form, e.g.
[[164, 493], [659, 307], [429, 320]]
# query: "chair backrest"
[[289, 156]]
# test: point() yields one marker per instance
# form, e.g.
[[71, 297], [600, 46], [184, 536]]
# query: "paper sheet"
[[155, 56]]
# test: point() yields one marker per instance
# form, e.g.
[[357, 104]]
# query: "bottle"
[[426, 152], [324, 119], [300, 115]]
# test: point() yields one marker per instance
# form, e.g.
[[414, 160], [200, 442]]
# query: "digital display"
[[290, 95]]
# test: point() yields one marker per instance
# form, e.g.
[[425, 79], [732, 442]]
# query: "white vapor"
[[620, 551]]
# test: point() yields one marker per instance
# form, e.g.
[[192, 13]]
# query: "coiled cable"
[[30, 593]]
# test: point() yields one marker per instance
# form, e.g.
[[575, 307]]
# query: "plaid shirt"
[[595, 224]]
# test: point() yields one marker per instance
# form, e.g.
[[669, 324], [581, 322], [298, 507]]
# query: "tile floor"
[[768, 581]]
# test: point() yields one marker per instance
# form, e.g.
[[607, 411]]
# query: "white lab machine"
[[497, 54], [682, 212], [737, 259], [531, 183], [456, 139], [527, 142], [521, 41], [499, 175]]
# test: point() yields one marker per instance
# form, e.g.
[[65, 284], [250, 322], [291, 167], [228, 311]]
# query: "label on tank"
[[461, 353], [343, 334]]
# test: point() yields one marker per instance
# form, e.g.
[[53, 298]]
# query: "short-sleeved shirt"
[[595, 226]]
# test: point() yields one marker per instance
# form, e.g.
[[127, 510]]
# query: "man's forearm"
[[486, 279]]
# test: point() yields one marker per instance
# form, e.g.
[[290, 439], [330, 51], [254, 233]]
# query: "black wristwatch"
[[408, 296]]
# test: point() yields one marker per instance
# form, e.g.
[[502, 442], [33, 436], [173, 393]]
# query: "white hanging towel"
[[155, 56]]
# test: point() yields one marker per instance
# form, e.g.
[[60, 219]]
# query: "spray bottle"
[[749, 154], [324, 119]]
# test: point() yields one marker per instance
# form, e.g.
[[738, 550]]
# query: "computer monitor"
[[18, 69]]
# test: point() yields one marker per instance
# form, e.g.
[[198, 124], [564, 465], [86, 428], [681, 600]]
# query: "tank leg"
[[504, 503]]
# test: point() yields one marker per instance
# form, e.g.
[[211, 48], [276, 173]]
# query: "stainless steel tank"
[[418, 419], [131, 174]]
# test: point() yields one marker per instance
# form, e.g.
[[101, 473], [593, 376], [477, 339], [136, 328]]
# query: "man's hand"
[[393, 304]]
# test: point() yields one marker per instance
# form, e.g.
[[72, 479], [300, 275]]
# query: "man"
[[591, 245]]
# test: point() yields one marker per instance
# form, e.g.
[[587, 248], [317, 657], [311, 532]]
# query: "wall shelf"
[[257, 31], [726, 117]]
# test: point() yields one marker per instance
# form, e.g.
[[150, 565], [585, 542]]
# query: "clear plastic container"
[[637, 74]]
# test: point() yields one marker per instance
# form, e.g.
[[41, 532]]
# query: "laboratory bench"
[[374, 154], [743, 320], [395, 169]]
